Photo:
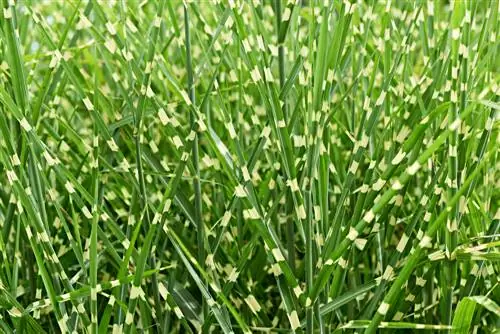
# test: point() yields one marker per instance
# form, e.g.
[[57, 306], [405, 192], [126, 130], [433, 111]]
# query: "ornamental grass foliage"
[[236, 166]]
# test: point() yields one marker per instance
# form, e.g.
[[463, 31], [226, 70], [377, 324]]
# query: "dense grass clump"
[[235, 166]]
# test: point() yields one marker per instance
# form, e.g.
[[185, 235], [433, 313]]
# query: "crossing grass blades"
[[235, 166]]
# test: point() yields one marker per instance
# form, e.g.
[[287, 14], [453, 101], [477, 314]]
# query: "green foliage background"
[[246, 166]]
